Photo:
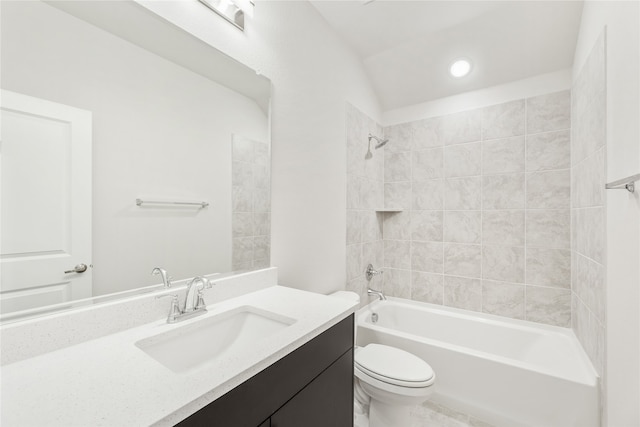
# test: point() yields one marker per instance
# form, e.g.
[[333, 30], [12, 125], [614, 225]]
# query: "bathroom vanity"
[[312, 386], [263, 355]]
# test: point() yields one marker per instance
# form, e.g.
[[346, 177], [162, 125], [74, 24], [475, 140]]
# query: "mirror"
[[117, 126]]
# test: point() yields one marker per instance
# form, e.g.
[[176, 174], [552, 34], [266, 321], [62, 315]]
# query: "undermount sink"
[[191, 346]]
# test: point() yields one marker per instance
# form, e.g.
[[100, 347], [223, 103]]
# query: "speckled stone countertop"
[[108, 381]]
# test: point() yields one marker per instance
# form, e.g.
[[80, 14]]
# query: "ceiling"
[[407, 46]]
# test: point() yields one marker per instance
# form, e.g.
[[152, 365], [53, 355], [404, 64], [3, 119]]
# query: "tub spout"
[[379, 294]]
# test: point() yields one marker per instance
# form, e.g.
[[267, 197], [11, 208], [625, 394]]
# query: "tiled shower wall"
[[587, 204], [485, 224], [251, 204], [365, 194]]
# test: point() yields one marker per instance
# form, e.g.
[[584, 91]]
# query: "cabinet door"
[[326, 402]]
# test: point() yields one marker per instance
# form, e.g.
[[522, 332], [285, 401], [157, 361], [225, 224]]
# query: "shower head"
[[380, 142]]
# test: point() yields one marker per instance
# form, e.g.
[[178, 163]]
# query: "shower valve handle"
[[372, 272]]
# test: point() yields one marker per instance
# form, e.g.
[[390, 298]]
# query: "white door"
[[45, 202]]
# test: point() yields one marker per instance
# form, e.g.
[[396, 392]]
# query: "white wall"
[[159, 132], [623, 209], [313, 75]]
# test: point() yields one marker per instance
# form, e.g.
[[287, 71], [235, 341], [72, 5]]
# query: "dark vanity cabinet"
[[310, 387]]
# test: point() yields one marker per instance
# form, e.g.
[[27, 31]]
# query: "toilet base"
[[360, 420], [384, 415]]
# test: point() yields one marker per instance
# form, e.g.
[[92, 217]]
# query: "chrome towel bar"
[[627, 183], [140, 202]]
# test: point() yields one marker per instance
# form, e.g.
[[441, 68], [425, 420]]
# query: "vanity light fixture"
[[460, 67], [228, 9]]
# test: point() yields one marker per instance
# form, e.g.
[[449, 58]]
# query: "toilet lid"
[[393, 365]]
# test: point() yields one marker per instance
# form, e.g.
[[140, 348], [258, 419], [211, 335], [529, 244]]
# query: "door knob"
[[80, 268]]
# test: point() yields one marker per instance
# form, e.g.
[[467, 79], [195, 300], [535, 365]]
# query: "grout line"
[[526, 139], [482, 308], [443, 165]]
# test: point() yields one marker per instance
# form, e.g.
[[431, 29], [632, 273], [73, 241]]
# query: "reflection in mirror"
[[107, 103]]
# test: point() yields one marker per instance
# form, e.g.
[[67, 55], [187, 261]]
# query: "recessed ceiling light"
[[460, 67]]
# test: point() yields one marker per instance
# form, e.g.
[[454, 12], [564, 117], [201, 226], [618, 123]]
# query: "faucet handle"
[[174, 311], [206, 284], [200, 304]]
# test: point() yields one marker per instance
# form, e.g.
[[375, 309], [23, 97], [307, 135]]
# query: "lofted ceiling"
[[407, 46]]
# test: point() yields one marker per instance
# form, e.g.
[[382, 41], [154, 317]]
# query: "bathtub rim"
[[590, 376]]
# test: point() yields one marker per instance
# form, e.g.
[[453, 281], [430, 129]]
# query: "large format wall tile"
[[462, 226], [262, 223], [462, 160], [427, 287], [354, 227], [548, 305], [503, 155], [371, 226], [591, 233], [549, 267], [397, 254], [354, 261], [427, 164], [462, 260], [549, 190], [486, 195], [462, 292], [503, 263], [548, 228], [503, 299], [400, 138], [426, 256], [427, 225], [397, 166], [397, 283], [428, 195], [462, 193], [588, 178], [549, 151], [591, 285], [503, 191], [242, 224], [396, 195], [461, 127], [549, 112], [426, 133], [503, 227], [503, 120]]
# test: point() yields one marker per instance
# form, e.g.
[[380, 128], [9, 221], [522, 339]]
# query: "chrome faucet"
[[194, 304], [165, 277], [379, 294]]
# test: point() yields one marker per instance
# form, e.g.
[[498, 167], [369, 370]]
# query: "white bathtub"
[[503, 371]]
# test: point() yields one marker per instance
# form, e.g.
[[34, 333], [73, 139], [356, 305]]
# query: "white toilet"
[[388, 382]]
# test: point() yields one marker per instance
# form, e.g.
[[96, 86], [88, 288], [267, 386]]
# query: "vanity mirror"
[[105, 103]]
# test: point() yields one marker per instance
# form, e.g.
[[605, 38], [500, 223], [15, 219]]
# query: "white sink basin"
[[208, 340]]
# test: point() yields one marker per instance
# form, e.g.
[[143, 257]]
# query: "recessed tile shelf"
[[390, 210]]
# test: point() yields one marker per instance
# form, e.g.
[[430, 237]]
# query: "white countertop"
[[109, 381]]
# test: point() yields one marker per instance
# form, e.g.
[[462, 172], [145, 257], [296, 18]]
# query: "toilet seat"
[[393, 366]]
